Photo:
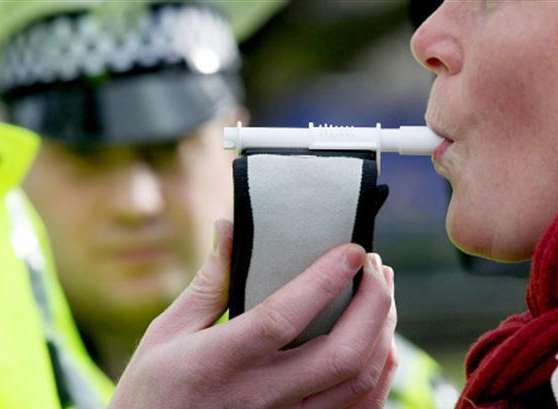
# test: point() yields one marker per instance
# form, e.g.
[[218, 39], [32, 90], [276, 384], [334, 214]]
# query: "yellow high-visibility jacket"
[[43, 364]]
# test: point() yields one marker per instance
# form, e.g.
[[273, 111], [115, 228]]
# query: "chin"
[[477, 237], [503, 254]]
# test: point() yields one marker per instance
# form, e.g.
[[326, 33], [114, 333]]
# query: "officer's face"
[[130, 227], [496, 97]]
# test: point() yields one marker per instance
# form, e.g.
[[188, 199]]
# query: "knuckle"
[[155, 324], [273, 324], [391, 320], [154, 333], [203, 286], [374, 402], [384, 301], [330, 284], [205, 291], [345, 362], [366, 381]]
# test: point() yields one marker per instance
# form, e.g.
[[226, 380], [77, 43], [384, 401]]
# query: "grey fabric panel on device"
[[290, 207], [301, 206]]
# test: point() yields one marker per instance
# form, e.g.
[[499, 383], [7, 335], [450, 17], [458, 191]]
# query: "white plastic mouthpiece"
[[407, 140]]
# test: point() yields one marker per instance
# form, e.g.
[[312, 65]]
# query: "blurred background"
[[348, 63]]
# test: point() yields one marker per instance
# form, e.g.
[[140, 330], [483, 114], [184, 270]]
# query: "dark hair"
[[420, 10]]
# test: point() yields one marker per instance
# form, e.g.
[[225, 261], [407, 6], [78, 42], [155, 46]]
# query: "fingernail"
[[388, 274], [376, 261], [374, 266], [352, 259]]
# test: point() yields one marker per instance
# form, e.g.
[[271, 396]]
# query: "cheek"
[[70, 236], [505, 192], [67, 209], [501, 98], [210, 187], [499, 208], [199, 195], [76, 221], [511, 76]]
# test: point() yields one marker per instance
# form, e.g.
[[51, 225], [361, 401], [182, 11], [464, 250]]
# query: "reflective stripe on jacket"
[[418, 381], [42, 361]]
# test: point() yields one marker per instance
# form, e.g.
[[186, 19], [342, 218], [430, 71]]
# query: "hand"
[[183, 362]]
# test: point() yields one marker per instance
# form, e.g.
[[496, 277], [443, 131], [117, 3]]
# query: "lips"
[[441, 149], [446, 143], [141, 250], [143, 254]]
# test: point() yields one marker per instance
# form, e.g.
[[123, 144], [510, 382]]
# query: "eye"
[[161, 156], [97, 160]]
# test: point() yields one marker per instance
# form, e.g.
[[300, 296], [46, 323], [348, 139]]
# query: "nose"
[[436, 44], [138, 196]]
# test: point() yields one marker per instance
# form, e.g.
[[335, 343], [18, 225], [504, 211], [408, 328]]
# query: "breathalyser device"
[[298, 192]]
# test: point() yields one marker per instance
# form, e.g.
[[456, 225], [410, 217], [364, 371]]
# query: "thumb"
[[205, 299]]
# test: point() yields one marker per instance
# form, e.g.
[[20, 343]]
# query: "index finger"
[[281, 317], [361, 323]]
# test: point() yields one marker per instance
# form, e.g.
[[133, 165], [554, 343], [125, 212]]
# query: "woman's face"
[[495, 99]]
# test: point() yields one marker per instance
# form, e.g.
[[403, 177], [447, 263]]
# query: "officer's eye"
[[99, 159], [161, 155]]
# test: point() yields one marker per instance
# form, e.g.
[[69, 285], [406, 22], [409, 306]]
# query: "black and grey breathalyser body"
[[300, 192]]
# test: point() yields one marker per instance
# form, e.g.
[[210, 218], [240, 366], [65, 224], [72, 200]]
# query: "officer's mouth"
[[144, 253]]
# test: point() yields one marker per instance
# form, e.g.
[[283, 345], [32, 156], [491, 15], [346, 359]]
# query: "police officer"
[[131, 113]]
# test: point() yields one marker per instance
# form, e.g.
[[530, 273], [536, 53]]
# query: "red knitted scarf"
[[510, 367]]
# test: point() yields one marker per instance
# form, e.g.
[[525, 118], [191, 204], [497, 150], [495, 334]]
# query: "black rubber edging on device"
[[243, 238], [371, 199]]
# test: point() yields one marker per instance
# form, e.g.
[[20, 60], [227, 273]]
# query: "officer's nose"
[[138, 195], [436, 43]]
